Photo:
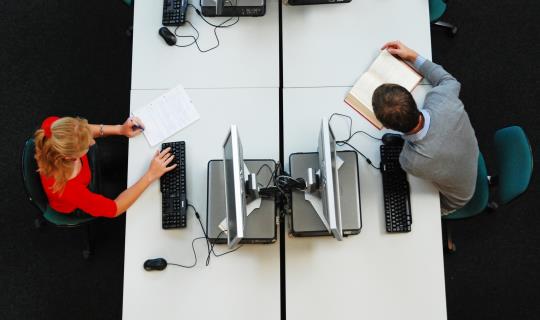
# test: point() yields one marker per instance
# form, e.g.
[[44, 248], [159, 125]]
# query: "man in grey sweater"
[[440, 144]]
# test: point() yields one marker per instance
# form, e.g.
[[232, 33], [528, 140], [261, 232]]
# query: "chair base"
[[89, 244], [39, 223], [450, 28], [449, 245]]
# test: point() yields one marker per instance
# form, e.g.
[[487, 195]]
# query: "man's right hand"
[[399, 49]]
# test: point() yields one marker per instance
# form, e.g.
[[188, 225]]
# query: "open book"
[[385, 69]]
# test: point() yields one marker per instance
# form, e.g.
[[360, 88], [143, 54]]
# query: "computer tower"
[[234, 8], [304, 219], [307, 2], [261, 224]]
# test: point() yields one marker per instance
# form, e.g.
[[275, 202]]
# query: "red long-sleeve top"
[[76, 195]]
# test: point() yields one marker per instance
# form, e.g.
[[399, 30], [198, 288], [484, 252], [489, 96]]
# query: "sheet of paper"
[[250, 207], [166, 115]]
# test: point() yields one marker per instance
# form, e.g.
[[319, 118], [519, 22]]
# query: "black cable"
[[297, 184], [194, 254], [210, 248], [195, 38], [360, 153], [221, 25], [200, 223], [224, 253], [351, 135], [271, 173]]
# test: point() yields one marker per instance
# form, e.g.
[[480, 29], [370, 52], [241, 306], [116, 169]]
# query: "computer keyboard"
[[174, 12], [173, 189], [397, 203]]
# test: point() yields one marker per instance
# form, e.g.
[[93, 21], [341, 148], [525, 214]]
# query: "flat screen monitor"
[[234, 187], [329, 179]]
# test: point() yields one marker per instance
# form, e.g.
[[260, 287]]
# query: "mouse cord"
[[351, 135], [210, 246], [194, 254], [195, 38], [220, 254]]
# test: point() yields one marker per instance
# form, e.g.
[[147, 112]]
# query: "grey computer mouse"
[[155, 264]]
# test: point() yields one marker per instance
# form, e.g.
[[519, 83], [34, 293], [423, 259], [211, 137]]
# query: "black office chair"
[[36, 195], [436, 9]]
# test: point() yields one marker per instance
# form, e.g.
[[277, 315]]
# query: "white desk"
[[242, 285], [248, 55], [373, 275], [331, 45]]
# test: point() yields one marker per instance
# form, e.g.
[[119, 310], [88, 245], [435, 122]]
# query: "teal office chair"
[[514, 170], [36, 195], [436, 9]]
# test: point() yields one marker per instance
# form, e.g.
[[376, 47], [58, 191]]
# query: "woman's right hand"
[[159, 165]]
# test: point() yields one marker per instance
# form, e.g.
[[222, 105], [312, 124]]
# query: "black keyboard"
[[174, 12], [173, 189], [397, 202]]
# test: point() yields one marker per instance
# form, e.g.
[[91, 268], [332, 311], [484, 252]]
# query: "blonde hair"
[[70, 137]]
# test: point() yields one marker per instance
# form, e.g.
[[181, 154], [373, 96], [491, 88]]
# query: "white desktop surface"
[[248, 54], [242, 285], [332, 45], [372, 275]]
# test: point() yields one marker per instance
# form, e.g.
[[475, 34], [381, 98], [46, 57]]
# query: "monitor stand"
[[305, 220], [313, 192], [261, 224]]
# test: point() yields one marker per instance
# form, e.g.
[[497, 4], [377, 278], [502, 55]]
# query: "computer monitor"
[[234, 187], [326, 182]]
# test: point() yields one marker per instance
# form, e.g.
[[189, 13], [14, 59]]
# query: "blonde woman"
[[61, 147]]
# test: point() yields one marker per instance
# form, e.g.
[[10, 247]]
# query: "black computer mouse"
[[167, 35], [155, 264], [392, 139]]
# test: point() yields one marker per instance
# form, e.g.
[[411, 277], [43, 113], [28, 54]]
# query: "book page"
[[166, 115], [392, 70], [364, 87]]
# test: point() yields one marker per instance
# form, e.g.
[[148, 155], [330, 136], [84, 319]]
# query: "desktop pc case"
[[234, 8], [261, 224], [307, 2], [304, 220]]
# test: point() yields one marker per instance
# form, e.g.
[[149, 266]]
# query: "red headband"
[[46, 125]]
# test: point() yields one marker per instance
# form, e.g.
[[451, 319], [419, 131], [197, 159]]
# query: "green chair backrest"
[[436, 9], [36, 195], [31, 180], [480, 199], [514, 162]]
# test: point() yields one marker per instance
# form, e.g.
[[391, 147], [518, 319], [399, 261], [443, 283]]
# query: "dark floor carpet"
[[59, 57], [494, 274], [73, 58]]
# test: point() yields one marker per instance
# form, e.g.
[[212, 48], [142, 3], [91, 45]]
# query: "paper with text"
[[166, 115]]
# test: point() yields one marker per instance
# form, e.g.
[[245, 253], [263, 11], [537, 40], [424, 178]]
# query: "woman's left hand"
[[132, 127]]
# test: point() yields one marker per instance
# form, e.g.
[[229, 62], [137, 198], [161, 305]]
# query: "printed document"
[[166, 115]]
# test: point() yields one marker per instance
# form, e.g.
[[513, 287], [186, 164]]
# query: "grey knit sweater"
[[448, 154]]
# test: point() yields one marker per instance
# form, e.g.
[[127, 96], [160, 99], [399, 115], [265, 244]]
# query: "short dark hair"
[[395, 107]]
